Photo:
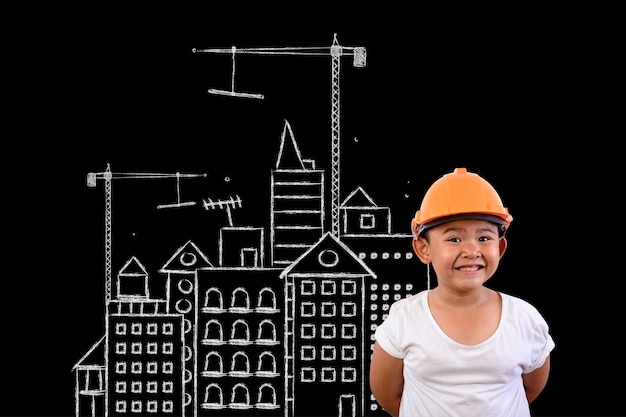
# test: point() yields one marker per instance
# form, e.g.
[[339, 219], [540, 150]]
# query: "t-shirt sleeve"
[[542, 344], [386, 334]]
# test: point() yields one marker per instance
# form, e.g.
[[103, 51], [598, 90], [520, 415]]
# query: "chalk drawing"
[[284, 333]]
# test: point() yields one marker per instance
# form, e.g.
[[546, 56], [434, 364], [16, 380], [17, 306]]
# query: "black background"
[[526, 98]]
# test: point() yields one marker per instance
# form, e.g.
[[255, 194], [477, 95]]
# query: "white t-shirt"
[[444, 378]]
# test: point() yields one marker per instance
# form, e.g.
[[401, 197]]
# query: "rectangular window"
[[135, 406], [329, 331], [307, 353], [151, 406], [348, 309], [152, 367], [348, 287], [328, 374], [120, 367], [348, 353], [152, 348], [120, 387], [329, 353], [120, 406], [329, 287], [120, 329], [307, 331], [136, 329], [307, 309], [135, 348], [135, 367], [329, 309], [120, 348], [348, 331], [168, 348], [307, 287], [307, 374], [168, 367], [168, 387], [368, 221], [168, 329], [348, 375], [152, 329], [135, 387], [168, 406], [152, 387]]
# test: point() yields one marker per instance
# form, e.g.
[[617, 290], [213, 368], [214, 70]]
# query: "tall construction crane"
[[107, 176], [335, 51]]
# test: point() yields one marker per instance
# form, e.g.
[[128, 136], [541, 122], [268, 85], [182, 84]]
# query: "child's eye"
[[454, 239], [484, 238]]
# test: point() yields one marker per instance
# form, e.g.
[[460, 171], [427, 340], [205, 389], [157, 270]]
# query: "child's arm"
[[386, 380], [535, 381]]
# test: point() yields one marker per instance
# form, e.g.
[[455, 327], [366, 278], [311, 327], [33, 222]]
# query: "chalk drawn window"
[[307, 287], [151, 406], [168, 406], [408, 255], [267, 333], [367, 221], [135, 406], [307, 374], [348, 287], [136, 329], [348, 309], [385, 255], [240, 397], [168, 348], [239, 333], [348, 375], [152, 348], [328, 374], [135, 348], [168, 387], [267, 365], [213, 397], [307, 331], [168, 367], [120, 348], [329, 287], [120, 329], [168, 329], [135, 367], [267, 301], [307, 309], [213, 300], [328, 258], [329, 353], [213, 333], [348, 331], [240, 301], [267, 397], [329, 331], [240, 365], [307, 353], [120, 367], [152, 329], [135, 387], [329, 309], [120, 387], [120, 406], [348, 353], [152, 387], [185, 286], [183, 306], [152, 367], [213, 364]]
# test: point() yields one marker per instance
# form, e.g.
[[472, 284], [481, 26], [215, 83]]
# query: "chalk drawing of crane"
[[335, 51]]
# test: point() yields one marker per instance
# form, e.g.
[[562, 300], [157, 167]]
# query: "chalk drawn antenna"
[[224, 205]]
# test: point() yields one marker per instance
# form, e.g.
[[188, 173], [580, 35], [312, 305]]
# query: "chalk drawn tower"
[[297, 202]]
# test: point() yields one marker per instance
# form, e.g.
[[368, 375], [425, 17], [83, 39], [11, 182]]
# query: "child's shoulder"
[[412, 301]]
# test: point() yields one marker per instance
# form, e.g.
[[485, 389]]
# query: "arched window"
[[213, 300], [240, 301], [267, 301], [267, 365], [267, 333], [213, 397], [240, 365], [267, 397], [213, 364], [240, 333], [213, 333], [240, 397]]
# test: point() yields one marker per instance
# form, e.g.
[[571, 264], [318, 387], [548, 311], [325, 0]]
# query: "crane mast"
[[335, 51]]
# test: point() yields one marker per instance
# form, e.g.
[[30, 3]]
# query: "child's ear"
[[422, 249], [503, 245]]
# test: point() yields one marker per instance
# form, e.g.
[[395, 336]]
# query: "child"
[[460, 349]]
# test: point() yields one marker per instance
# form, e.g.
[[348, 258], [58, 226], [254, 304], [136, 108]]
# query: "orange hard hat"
[[460, 195]]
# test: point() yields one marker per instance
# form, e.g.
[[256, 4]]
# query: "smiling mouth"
[[469, 268]]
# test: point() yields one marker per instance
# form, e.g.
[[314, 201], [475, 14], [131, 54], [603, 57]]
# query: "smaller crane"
[[108, 176]]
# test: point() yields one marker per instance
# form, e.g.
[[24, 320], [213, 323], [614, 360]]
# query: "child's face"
[[464, 253]]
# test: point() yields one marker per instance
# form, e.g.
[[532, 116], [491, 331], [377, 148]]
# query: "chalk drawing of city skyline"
[[278, 329]]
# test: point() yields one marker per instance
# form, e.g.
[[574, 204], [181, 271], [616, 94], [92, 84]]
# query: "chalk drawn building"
[[237, 337]]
